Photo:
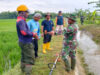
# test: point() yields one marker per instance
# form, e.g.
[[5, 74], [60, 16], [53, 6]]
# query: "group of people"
[[29, 34]]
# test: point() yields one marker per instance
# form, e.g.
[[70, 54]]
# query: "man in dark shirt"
[[82, 19], [59, 23], [25, 39], [47, 32]]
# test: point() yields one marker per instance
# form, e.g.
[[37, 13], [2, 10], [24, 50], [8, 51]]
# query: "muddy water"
[[90, 49]]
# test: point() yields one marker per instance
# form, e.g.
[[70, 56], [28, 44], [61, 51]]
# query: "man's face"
[[26, 14], [70, 21], [60, 13], [48, 17], [37, 18]]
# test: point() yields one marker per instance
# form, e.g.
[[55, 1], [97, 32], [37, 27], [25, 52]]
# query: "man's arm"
[[42, 27], [52, 32], [29, 25], [24, 31], [52, 28], [56, 21], [63, 22], [39, 32]]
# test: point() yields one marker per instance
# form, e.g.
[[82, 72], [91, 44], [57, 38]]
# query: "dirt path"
[[79, 69]]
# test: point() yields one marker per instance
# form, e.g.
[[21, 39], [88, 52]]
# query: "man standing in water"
[[25, 39], [59, 23], [70, 43], [35, 28]]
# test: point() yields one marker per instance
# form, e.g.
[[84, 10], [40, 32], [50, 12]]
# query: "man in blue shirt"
[[59, 23], [35, 28], [47, 30]]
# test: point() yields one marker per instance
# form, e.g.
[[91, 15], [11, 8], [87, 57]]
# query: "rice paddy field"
[[9, 49]]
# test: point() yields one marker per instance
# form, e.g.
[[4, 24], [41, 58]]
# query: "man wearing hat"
[[35, 28], [70, 43], [47, 30], [25, 38], [59, 23]]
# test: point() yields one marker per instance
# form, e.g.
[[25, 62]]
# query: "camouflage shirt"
[[70, 34]]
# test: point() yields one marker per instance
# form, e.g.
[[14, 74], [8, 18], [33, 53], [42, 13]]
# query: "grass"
[[41, 64], [9, 49], [94, 30], [10, 52], [7, 25]]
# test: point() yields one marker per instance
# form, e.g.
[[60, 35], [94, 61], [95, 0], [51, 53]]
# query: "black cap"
[[60, 12]]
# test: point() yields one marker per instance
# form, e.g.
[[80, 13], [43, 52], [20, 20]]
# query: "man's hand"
[[56, 25], [45, 32], [64, 25], [42, 35], [35, 35], [51, 33]]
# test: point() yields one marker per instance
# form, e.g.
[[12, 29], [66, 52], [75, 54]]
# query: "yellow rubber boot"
[[48, 46], [44, 48]]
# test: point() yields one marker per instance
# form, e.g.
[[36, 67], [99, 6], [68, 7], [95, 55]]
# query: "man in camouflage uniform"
[[70, 43]]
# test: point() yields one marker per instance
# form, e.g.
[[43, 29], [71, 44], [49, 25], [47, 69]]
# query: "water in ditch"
[[91, 51]]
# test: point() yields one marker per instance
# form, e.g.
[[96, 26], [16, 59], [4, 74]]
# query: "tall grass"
[[9, 50]]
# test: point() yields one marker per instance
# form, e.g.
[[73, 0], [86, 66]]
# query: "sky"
[[46, 5]]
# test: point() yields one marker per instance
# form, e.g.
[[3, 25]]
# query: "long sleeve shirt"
[[24, 34]]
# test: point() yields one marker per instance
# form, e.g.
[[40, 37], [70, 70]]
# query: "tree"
[[97, 4], [8, 15]]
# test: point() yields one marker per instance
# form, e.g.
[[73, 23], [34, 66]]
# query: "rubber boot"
[[44, 48], [67, 65], [48, 46], [22, 67], [28, 69], [73, 63]]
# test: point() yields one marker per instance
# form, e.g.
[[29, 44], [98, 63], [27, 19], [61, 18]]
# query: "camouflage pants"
[[65, 56], [69, 51], [27, 57]]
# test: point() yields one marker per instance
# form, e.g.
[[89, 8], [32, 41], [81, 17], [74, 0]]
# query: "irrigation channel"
[[91, 51]]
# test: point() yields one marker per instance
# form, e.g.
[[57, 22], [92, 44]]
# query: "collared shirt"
[[47, 25], [24, 34], [34, 27]]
